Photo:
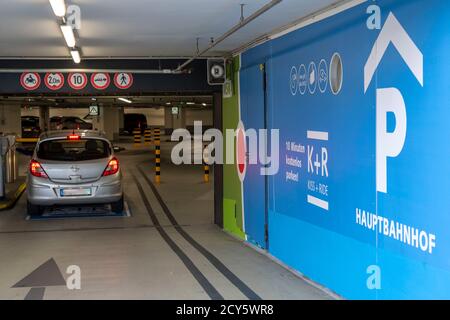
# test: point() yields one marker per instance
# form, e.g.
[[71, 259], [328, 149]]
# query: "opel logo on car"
[[74, 168]]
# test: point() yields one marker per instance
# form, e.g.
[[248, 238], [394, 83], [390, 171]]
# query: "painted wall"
[[205, 116], [232, 189], [74, 112], [155, 117], [65, 112], [360, 201], [10, 120], [33, 111]]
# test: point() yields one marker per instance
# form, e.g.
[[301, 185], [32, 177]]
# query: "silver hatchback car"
[[73, 168]]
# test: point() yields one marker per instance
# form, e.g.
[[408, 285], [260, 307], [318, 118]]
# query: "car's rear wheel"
[[34, 210], [117, 206]]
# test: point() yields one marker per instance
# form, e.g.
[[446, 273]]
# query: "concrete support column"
[[97, 122], [179, 120], [44, 118], [121, 118], [174, 121], [108, 121], [10, 120], [168, 121]]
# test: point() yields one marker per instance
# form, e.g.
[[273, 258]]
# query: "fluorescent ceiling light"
[[75, 56], [59, 7], [168, 103], [125, 100], [190, 103], [204, 104], [68, 35]]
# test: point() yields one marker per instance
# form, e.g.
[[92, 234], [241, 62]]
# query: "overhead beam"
[[68, 70]]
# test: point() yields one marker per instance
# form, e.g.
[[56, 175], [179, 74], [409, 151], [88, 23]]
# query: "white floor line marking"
[[127, 210]]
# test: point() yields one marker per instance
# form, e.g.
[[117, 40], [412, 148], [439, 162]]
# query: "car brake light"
[[37, 170], [112, 167], [73, 137]]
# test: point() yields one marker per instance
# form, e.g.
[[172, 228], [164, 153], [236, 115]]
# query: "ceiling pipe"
[[230, 32], [103, 58], [68, 70], [285, 29]]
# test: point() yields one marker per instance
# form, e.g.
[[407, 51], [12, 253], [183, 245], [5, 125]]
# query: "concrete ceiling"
[[188, 102], [140, 28]]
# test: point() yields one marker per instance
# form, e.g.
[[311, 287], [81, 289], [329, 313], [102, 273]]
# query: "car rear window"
[[136, 117], [29, 123], [73, 150]]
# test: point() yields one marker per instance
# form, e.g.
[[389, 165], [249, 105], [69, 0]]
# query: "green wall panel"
[[232, 203]]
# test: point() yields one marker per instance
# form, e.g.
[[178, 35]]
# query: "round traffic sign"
[[77, 80], [54, 81], [100, 81], [30, 80], [123, 80]]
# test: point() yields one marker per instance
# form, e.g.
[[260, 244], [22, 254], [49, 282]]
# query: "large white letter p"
[[389, 144]]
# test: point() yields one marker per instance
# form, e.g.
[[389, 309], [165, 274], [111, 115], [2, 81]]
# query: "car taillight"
[[73, 137], [37, 170], [112, 167]]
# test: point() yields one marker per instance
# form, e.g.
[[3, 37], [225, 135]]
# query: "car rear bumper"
[[46, 193]]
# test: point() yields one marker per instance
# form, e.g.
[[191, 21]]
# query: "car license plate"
[[73, 192]]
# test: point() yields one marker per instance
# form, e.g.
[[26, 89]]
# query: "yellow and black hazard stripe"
[[148, 136], [157, 161], [157, 134], [205, 168], [137, 137]]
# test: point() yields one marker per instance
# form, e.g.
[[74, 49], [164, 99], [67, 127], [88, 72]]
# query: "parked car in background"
[[133, 121], [30, 127], [64, 123], [73, 167]]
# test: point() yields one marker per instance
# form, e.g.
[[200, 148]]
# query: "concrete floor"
[[177, 253]]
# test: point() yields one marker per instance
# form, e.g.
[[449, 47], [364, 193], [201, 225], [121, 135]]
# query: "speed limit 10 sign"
[[77, 80]]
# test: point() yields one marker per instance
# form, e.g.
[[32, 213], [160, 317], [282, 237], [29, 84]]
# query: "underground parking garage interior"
[[261, 152]]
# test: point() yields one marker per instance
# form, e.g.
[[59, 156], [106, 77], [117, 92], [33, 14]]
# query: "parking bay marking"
[[80, 214], [227, 273], [197, 274]]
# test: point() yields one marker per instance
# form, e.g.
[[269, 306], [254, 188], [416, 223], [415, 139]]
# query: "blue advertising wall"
[[329, 215]]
